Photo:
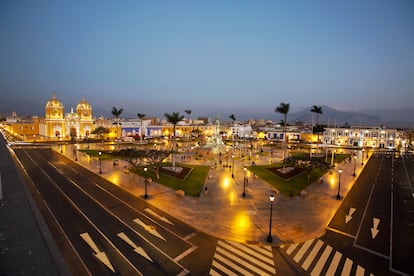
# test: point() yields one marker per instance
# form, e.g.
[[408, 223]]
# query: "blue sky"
[[208, 56]]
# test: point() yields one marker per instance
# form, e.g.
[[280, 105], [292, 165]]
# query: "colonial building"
[[57, 124], [375, 137]]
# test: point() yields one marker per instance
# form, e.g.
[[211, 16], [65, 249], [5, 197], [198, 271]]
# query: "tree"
[[137, 158], [283, 108], [188, 111], [100, 131], [232, 117], [117, 112], [173, 118], [155, 158], [318, 110], [141, 116], [132, 156]]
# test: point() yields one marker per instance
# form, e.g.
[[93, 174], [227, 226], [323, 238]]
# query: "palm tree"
[[283, 108], [141, 116], [173, 118], [188, 111], [232, 117], [318, 110], [117, 112]]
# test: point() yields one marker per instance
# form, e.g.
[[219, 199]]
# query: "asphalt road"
[[102, 229], [112, 232], [374, 224]]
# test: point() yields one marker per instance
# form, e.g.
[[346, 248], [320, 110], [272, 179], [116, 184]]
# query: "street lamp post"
[[244, 182], [76, 152], [338, 196], [227, 157], [100, 162], [354, 165], [362, 161], [145, 182], [232, 168], [269, 237]]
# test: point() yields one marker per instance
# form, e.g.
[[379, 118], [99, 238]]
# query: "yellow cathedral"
[[73, 125]]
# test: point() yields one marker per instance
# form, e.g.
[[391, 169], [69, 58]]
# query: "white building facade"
[[375, 137]]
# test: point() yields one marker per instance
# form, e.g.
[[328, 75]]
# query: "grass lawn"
[[192, 185], [297, 183]]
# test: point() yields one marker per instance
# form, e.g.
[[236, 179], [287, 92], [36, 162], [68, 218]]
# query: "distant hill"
[[337, 117]]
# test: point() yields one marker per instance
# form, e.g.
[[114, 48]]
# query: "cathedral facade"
[[75, 124]]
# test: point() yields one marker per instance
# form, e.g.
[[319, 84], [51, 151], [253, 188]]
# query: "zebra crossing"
[[319, 258], [231, 258]]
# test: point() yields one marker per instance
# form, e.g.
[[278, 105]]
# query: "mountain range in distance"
[[403, 118]]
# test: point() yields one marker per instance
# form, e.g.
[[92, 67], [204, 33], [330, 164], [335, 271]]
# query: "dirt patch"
[[285, 174], [179, 174]]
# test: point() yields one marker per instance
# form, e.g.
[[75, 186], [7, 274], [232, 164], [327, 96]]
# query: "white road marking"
[[100, 255], [137, 249], [302, 251], [374, 229], [149, 228], [151, 212], [312, 255], [349, 216], [322, 260]]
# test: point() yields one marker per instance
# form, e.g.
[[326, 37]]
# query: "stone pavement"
[[223, 212]]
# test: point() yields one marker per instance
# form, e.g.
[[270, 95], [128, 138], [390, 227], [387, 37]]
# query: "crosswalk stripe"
[[267, 251], [232, 265], [257, 251], [302, 251], [258, 261], [334, 263], [241, 262], [221, 268], [312, 255], [360, 271], [346, 270], [322, 260], [291, 248]]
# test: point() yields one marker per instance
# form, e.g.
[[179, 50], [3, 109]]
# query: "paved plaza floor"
[[223, 212]]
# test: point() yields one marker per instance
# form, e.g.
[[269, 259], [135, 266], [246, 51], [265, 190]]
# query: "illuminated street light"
[[227, 157], [362, 162], [145, 182], [354, 165], [244, 182], [269, 237], [100, 162], [232, 169], [338, 196]]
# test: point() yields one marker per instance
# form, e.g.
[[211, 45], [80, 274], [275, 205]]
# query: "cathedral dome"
[[83, 104], [84, 109], [54, 102], [54, 108]]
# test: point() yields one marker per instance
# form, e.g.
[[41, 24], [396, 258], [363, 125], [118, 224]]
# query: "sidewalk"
[[26, 245], [224, 213]]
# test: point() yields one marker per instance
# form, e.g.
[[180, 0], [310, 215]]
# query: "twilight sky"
[[208, 56]]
